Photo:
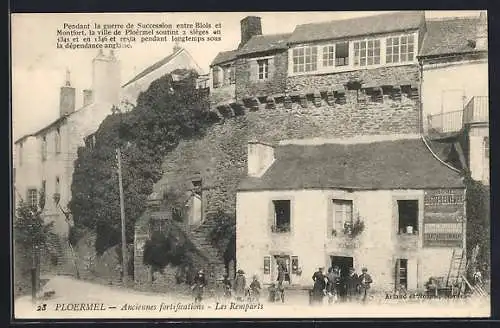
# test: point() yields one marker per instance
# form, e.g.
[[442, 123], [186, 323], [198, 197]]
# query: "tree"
[[166, 113]]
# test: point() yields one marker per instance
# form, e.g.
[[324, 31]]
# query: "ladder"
[[457, 267]]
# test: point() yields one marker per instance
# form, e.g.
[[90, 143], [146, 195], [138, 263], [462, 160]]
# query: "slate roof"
[[262, 43], [224, 56], [383, 165], [154, 67], [450, 36], [375, 24]]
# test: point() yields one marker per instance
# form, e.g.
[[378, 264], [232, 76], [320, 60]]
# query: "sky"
[[39, 68]]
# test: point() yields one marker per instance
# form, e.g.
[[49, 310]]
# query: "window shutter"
[[267, 265], [397, 275], [271, 68], [254, 71], [330, 219]]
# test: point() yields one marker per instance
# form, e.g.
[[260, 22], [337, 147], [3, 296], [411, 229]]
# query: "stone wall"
[[247, 83], [220, 156], [377, 77]]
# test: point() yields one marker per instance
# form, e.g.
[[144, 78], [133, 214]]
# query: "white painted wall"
[[478, 161], [443, 86], [309, 239]]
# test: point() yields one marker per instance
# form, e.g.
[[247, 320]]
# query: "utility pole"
[[122, 214]]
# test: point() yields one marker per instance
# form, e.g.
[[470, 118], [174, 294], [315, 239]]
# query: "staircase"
[[214, 267]]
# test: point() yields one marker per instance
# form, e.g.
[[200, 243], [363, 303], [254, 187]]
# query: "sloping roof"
[[385, 165], [375, 24], [224, 56], [261, 43], [154, 67], [449, 36]]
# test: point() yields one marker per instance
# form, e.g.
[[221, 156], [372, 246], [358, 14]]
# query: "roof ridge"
[[444, 19], [361, 17]]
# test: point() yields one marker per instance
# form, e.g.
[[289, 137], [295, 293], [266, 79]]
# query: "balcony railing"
[[446, 122], [476, 111]]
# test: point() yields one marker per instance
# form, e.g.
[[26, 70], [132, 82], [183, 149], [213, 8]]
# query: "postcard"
[[250, 165]]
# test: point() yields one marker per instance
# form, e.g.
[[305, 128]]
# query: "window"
[[408, 216], [328, 56], [216, 76], [305, 59], [342, 54], [281, 216], [263, 68], [400, 49], [342, 210], [44, 148], [57, 141], [401, 274], [367, 53], [33, 197]]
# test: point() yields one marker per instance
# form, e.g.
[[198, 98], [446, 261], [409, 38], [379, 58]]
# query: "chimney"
[[87, 97], [482, 32], [67, 97], [260, 158], [106, 78], [176, 47], [250, 26]]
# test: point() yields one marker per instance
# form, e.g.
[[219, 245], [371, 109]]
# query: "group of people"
[[340, 287]]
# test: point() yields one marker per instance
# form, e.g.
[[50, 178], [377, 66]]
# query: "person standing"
[[199, 284], [255, 288], [281, 279], [226, 283], [365, 282], [352, 285], [240, 284], [319, 286]]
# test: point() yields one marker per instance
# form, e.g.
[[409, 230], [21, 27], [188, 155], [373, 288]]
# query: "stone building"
[[45, 158], [454, 63], [304, 201]]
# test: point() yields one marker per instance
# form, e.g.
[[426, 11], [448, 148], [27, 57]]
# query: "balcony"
[[476, 111]]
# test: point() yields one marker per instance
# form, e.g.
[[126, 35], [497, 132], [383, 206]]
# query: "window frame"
[[285, 228], [263, 69], [402, 230], [358, 57], [32, 201], [397, 49], [313, 55], [346, 215]]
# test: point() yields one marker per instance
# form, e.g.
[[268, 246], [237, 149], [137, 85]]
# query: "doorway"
[[344, 263], [283, 262]]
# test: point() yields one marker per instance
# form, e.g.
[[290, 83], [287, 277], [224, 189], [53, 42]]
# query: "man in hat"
[[240, 285], [199, 284], [352, 284], [319, 286], [365, 281]]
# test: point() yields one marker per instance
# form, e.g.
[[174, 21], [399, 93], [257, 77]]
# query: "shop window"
[[407, 216], [401, 274], [282, 216]]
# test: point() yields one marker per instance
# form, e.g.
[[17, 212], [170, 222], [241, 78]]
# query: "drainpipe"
[[420, 105]]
